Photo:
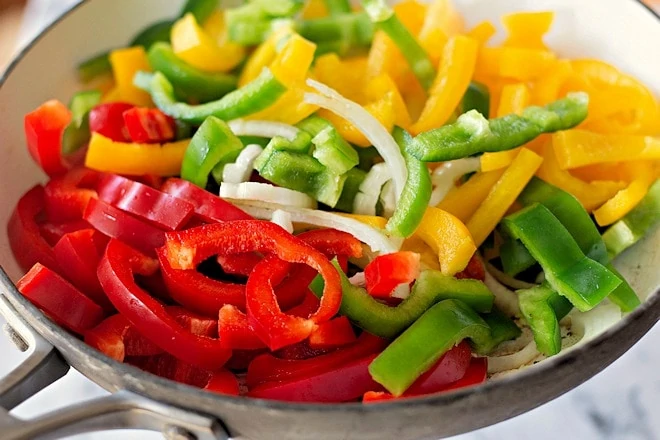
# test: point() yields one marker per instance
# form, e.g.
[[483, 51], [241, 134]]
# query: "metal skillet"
[[620, 31]]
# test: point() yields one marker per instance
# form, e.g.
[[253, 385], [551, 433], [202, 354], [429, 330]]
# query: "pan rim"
[[528, 374]]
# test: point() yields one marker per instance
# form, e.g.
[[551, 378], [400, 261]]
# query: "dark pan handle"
[[122, 410]]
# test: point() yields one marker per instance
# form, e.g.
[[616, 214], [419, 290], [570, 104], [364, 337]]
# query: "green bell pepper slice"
[[416, 192], [502, 328], [515, 257], [416, 350], [387, 21], [337, 7], [472, 133], [213, 144], [77, 133], [543, 308], [255, 96], [476, 97], [430, 288], [329, 147], [339, 33], [189, 82], [584, 281], [354, 179], [636, 224]]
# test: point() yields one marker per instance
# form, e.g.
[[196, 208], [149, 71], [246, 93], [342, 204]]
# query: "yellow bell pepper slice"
[[623, 202], [214, 26], [503, 194], [333, 72], [449, 238], [590, 194], [412, 14], [526, 29], [514, 63], [549, 86], [482, 32], [464, 201], [290, 108], [428, 258], [103, 154], [385, 57], [372, 220], [623, 171], [292, 63], [315, 9], [125, 64], [196, 47], [443, 15], [577, 148], [263, 55], [453, 78], [383, 85]]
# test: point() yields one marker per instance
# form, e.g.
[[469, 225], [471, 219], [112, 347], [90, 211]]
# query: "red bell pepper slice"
[[208, 207], [239, 264], [333, 333], [116, 274], [223, 382], [78, 255], [59, 299], [240, 359], [306, 308], [186, 249], [44, 128], [25, 239], [53, 232], [386, 272], [475, 374], [333, 243], [122, 226], [108, 120], [235, 330], [117, 338], [268, 368], [301, 351], [163, 210], [67, 196], [475, 270], [198, 292], [343, 384], [148, 125]]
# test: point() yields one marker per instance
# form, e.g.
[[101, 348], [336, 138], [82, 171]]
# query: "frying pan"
[[623, 32]]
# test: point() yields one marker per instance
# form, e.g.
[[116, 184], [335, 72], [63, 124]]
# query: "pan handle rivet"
[[177, 433]]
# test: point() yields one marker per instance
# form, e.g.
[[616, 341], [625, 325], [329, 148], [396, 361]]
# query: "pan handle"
[[122, 410]]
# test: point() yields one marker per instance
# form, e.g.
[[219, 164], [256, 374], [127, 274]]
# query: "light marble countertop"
[[621, 403]]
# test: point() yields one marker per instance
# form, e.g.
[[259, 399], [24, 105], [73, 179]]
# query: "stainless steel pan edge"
[[142, 400]]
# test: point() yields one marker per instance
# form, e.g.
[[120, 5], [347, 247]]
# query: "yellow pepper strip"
[[623, 171], [549, 86], [623, 202], [214, 26], [442, 14], [453, 78], [196, 47], [263, 55], [314, 9], [292, 63], [526, 29], [464, 201], [434, 44], [333, 72], [383, 85], [385, 57], [111, 95], [125, 64], [483, 32], [428, 258], [290, 108], [412, 14], [134, 159], [577, 148], [502, 159], [503, 194], [514, 63], [372, 220], [590, 194], [449, 238]]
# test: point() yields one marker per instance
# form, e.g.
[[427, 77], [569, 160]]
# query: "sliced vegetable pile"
[[306, 202]]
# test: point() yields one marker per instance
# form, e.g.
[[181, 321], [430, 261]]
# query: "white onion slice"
[[388, 199], [266, 193], [505, 299], [498, 364], [241, 170], [265, 129], [379, 137], [402, 291], [506, 279], [365, 204], [283, 219], [375, 179], [588, 325], [374, 238], [445, 176], [358, 280]]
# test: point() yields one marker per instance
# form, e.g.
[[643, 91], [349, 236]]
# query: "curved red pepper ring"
[[239, 264], [198, 292], [186, 249], [67, 196], [44, 128], [235, 330], [25, 239], [150, 317], [307, 307]]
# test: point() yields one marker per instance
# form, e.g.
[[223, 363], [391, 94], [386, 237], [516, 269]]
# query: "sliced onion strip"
[[264, 192]]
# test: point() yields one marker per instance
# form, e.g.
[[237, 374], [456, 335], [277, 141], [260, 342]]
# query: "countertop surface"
[[621, 403]]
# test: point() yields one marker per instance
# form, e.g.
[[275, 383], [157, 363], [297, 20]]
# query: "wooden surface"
[[11, 12]]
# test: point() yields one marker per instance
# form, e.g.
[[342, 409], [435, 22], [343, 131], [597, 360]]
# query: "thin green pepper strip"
[[213, 144], [636, 224], [257, 95], [77, 133], [584, 281], [577, 221], [502, 329], [414, 352], [386, 20], [354, 179], [338, 33], [329, 147], [430, 288], [515, 257], [472, 133], [337, 7], [543, 308], [416, 193], [476, 97], [189, 82]]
